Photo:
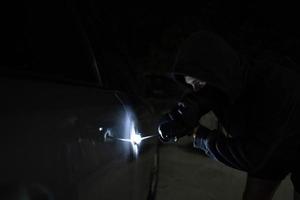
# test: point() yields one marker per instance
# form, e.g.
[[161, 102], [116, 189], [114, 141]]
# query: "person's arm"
[[239, 153]]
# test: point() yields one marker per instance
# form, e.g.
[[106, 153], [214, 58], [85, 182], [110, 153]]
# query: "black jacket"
[[263, 110]]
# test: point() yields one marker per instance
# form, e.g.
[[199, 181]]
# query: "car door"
[[63, 135]]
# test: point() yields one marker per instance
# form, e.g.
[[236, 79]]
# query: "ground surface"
[[186, 174]]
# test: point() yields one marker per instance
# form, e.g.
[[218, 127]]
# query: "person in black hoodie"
[[256, 103]]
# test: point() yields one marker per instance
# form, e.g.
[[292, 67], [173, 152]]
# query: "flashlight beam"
[[130, 140], [124, 140], [147, 137], [115, 138]]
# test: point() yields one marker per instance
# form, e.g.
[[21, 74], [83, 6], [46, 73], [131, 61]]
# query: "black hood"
[[208, 57]]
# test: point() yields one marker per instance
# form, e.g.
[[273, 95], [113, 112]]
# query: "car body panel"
[[50, 137]]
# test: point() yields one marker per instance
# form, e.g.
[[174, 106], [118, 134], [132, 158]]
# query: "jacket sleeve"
[[239, 153]]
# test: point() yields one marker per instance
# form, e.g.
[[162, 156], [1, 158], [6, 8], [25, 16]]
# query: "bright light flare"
[[135, 137]]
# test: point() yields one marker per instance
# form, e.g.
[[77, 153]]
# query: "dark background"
[[62, 38]]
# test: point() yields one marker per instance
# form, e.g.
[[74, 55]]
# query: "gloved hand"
[[181, 120]]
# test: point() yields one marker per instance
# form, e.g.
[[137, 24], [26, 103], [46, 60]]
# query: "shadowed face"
[[194, 82]]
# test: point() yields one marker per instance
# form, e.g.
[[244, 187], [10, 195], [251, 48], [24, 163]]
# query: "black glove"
[[181, 120], [184, 117]]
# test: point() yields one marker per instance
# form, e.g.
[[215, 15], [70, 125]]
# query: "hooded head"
[[209, 58]]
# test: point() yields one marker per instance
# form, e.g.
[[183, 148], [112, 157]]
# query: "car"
[[65, 133]]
